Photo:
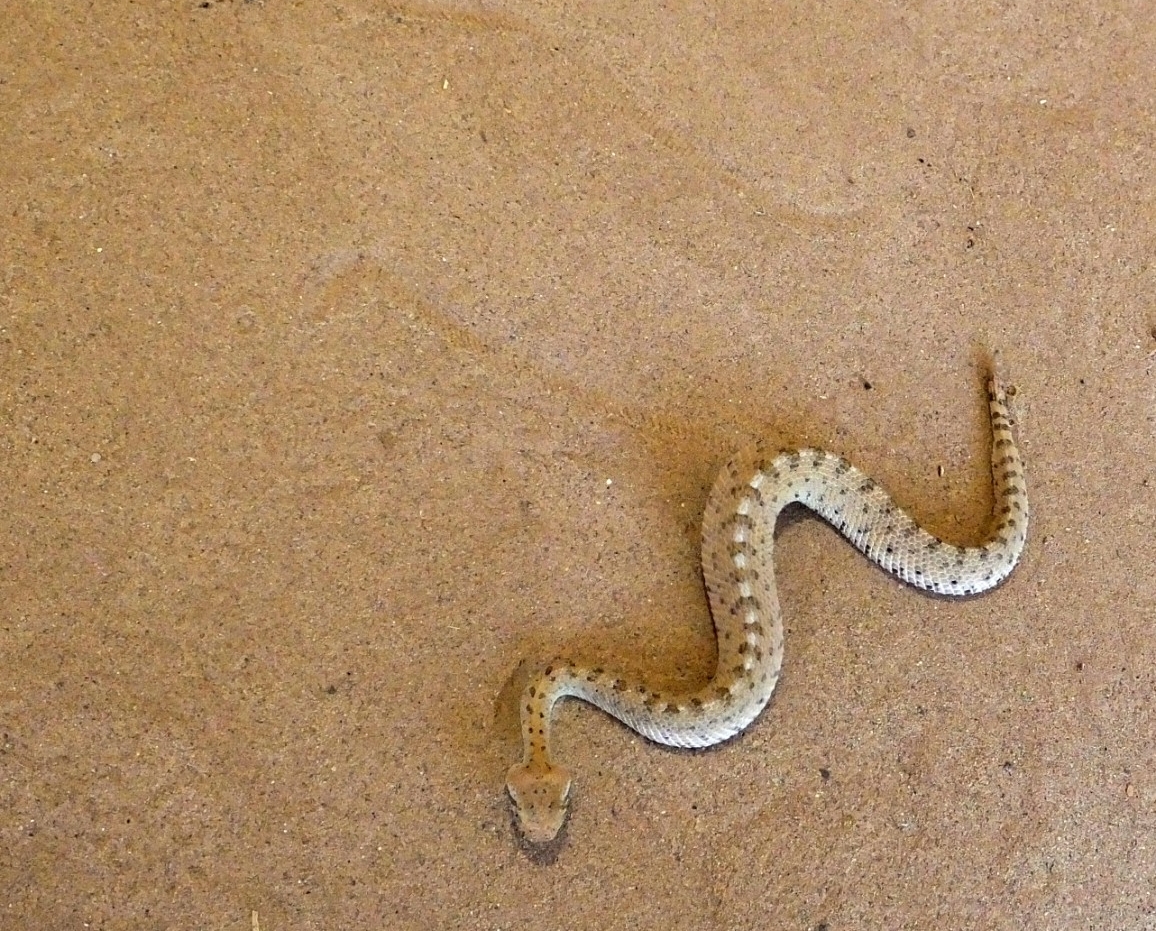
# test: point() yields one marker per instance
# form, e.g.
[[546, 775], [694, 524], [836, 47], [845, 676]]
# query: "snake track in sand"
[[737, 559]]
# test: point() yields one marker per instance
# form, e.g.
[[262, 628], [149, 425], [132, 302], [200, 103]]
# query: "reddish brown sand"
[[352, 353]]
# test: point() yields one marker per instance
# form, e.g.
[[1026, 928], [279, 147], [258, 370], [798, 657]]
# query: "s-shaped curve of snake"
[[738, 569]]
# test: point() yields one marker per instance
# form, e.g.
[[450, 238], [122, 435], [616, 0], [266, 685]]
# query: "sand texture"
[[357, 357]]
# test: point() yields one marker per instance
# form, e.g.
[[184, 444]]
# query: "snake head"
[[540, 793]]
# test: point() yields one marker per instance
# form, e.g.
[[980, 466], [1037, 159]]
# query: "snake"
[[738, 527]]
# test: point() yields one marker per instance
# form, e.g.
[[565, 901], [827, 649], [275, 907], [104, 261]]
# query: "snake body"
[[737, 559]]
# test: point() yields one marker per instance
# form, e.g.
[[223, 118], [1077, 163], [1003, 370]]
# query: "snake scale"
[[738, 570]]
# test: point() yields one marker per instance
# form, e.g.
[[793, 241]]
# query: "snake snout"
[[540, 795]]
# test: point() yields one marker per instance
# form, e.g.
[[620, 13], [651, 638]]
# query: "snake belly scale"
[[737, 560]]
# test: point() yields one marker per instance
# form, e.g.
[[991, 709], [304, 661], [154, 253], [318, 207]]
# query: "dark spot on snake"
[[742, 520], [736, 549]]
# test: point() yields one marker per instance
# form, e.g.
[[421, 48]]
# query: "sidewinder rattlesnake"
[[737, 559]]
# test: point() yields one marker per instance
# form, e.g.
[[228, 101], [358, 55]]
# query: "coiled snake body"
[[737, 558]]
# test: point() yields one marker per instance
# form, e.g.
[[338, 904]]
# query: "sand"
[[356, 357]]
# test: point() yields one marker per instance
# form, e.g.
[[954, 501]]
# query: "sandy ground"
[[354, 353]]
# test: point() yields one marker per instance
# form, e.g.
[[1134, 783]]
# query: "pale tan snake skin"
[[737, 558]]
